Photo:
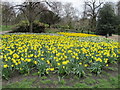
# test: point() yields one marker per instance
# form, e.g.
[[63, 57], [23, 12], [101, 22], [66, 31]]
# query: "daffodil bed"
[[62, 53]]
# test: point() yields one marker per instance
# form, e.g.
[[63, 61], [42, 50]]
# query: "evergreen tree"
[[106, 20], [49, 18]]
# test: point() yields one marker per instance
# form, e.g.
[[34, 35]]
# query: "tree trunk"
[[30, 18], [49, 25], [6, 23], [31, 27], [88, 31], [82, 31], [110, 34], [93, 23], [106, 35]]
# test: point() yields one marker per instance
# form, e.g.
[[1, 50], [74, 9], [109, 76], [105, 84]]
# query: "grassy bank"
[[4, 28]]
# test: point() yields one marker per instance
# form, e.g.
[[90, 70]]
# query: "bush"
[[23, 26], [105, 29], [56, 26], [64, 27], [51, 30]]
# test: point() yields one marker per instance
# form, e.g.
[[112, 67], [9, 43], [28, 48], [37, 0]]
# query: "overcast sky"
[[78, 4]]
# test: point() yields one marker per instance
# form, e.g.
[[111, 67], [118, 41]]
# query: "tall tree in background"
[[118, 8], [106, 20], [66, 11], [92, 9], [7, 13], [117, 31], [85, 21], [69, 13], [49, 18], [56, 7]]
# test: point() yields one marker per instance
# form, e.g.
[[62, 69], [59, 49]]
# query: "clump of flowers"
[[76, 34]]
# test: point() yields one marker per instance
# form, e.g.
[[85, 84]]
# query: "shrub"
[[64, 27], [51, 30], [56, 26], [23, 26]]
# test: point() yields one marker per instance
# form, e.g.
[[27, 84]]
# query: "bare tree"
[[7, 13], [19, 17], [69, 10], [56, 7], [92, 11], [84, 15], [31, 10], [69, 13]]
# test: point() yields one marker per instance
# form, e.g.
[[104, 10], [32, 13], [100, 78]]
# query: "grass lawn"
[[107, 79], [4, 28]]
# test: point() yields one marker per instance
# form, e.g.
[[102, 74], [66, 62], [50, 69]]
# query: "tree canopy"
[[49, 18], [106, 19]]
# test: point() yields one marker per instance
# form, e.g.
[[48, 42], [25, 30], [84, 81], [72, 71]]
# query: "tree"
[[91, 9], [49, 18], [56, 7], [106, 20], [118, 8], [19, 17], [7, 13], [117, 29], [84, 21], [69, 14], [31, 11]]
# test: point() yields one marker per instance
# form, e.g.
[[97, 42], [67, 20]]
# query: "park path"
[[3, 32], [114, 37]]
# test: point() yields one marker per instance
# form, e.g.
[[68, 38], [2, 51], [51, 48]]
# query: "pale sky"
[[78, 4]]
